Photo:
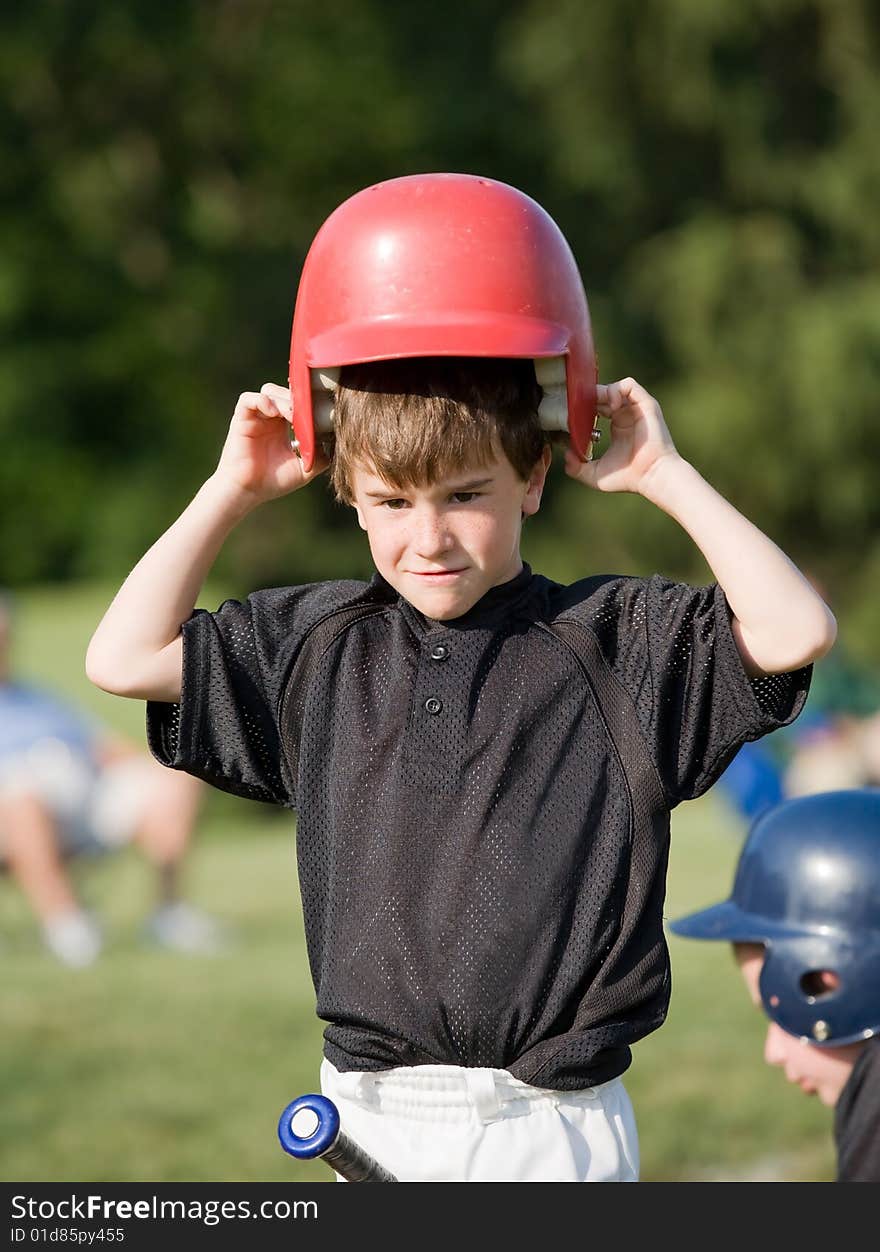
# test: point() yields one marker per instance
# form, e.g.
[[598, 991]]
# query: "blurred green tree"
[[715, 167], [166, 166]]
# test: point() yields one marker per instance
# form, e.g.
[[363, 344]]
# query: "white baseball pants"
[[446, 1123]]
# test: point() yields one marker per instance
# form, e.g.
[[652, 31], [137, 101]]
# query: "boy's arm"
[[137, 649], [780, 623]]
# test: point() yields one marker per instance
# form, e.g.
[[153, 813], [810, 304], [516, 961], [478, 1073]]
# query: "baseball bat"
[[309, 1127]]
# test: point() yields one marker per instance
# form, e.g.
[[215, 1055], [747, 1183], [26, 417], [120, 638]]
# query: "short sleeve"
[[672, 647], [236, 661]]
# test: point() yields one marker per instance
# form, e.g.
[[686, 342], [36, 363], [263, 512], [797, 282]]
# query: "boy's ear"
[[360, 515], [536, 480]]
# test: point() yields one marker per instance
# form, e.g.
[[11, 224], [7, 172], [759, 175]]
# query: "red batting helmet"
[[443, 265]]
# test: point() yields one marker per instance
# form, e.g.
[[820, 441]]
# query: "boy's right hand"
[[258, 459]]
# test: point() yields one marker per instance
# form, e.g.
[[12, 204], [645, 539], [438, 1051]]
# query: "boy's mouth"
[[805, 1084], [437, 575]]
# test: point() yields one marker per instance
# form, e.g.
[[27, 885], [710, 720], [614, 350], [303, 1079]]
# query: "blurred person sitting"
[[69, 787], [835, 744], [838, 745]]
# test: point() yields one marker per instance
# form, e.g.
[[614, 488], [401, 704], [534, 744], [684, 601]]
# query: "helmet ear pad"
[[844, 1014]]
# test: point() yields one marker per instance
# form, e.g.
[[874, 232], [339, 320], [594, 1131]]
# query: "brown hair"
[[417, 420]]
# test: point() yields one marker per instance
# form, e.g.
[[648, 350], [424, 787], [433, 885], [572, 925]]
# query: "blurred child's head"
[[821, 1071], [804, 920], [442, 458]]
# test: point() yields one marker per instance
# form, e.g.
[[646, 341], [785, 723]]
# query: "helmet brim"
[[476, 335], [727, 921]]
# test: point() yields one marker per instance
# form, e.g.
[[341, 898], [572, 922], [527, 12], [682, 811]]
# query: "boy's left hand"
[[640, 440]]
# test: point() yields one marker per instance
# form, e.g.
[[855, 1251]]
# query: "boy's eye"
[[458, 497]]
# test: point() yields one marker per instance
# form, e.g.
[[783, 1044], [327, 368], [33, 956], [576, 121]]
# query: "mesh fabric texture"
[[483, 804]]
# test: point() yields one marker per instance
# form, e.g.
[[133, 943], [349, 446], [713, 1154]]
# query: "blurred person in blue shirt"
[[69, 787], [834, 745]]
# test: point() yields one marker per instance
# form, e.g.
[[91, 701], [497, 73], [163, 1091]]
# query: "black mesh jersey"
[[857, 1118], [482, 804]]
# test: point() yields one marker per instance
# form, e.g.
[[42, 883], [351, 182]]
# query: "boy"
[[803, 920], [482, 761]]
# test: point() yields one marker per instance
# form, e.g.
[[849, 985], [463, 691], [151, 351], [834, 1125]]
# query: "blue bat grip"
[[324, 1136]]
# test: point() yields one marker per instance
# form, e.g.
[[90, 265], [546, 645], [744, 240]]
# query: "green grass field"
[[154, 1067]]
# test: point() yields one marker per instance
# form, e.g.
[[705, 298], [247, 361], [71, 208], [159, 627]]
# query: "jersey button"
[[433, 705], [439, 652]]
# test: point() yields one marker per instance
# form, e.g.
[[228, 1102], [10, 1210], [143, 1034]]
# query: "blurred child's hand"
[[258, 458], [639, 440]]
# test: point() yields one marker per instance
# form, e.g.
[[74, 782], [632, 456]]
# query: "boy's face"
[[817, 1071], [443, 546]]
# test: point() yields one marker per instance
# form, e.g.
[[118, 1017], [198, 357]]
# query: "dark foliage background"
[[165, 167]]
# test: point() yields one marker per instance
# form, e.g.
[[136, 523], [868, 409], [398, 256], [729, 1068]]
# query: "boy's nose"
[[431, 537]]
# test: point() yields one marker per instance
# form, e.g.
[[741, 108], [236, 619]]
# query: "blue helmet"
[[807, 887]]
